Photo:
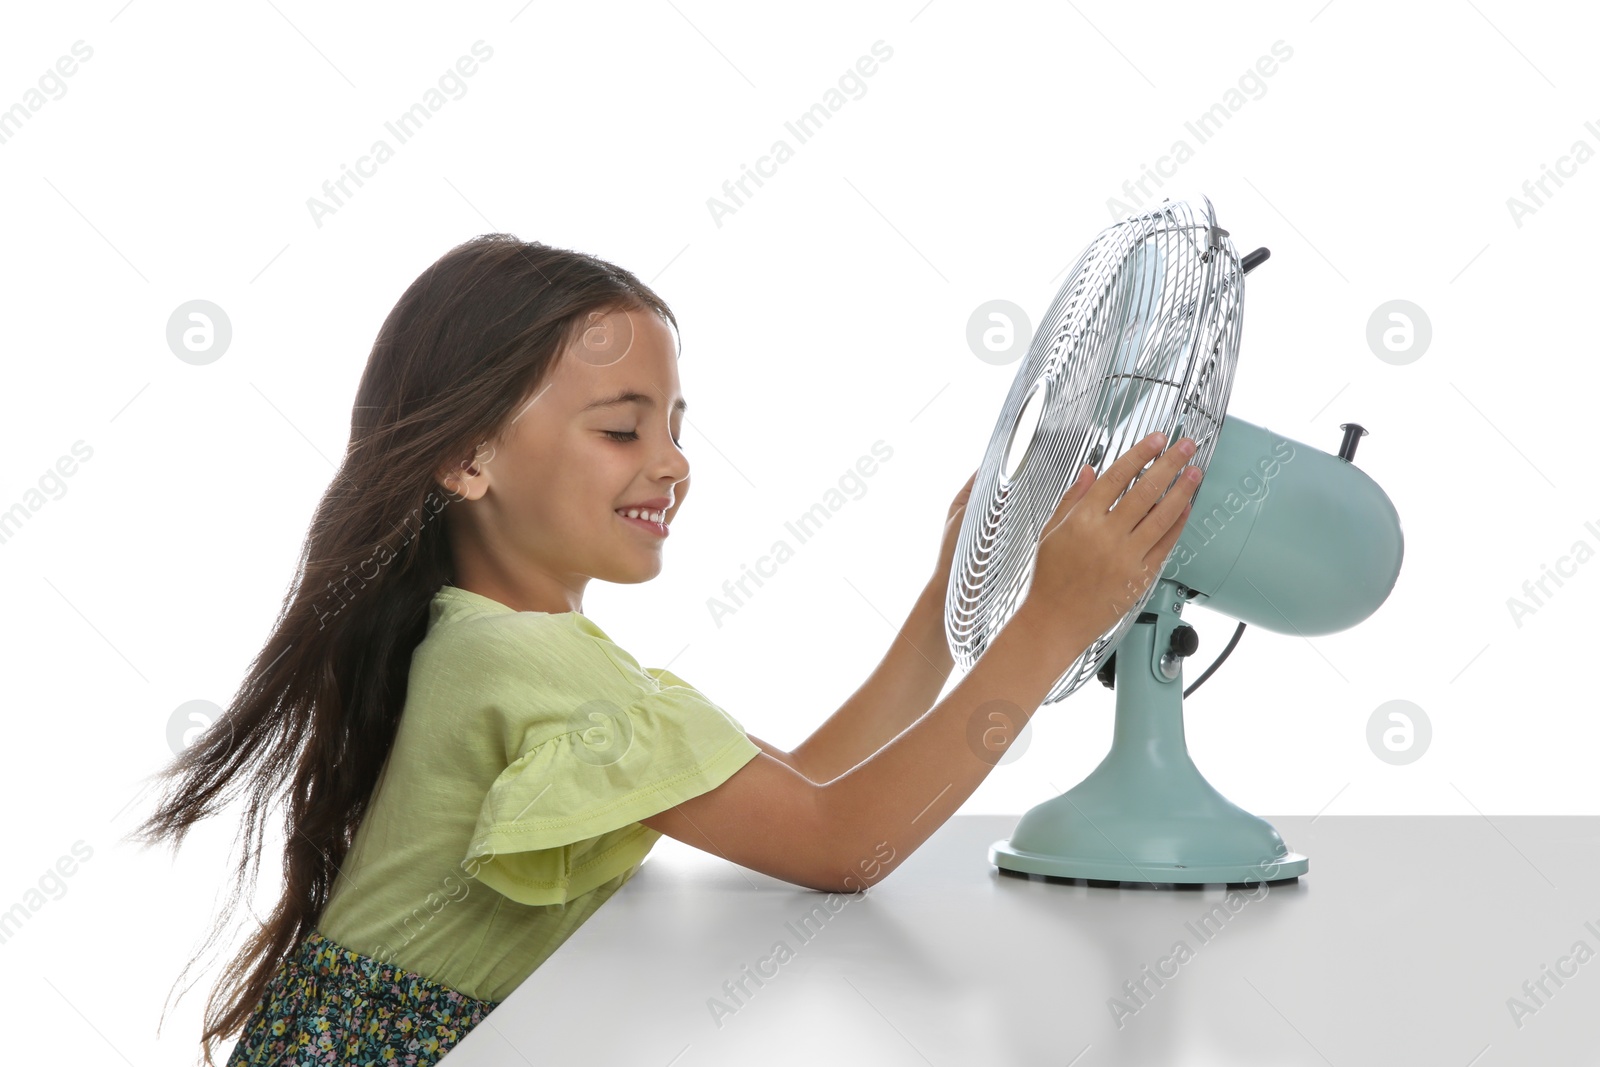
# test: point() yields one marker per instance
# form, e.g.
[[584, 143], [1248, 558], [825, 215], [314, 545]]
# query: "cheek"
[[579, 484]]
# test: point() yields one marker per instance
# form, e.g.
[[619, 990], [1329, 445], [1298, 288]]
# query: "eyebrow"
[[630, 396]]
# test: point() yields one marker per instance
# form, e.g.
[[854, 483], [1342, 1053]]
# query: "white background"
[[828, 312]]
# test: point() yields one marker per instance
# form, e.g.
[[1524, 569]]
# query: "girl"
[[470, 767]]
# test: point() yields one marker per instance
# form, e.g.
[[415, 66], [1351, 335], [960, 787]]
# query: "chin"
[[632, 575]]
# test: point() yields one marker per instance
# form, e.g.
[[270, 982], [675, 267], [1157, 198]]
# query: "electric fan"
[[1143, 336]]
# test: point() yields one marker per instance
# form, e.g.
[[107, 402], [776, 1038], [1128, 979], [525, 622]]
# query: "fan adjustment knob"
[[1353, 432], [1108, 672], [1184, 641]]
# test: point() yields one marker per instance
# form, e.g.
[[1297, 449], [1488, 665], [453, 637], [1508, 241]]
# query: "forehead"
[[618, 359]]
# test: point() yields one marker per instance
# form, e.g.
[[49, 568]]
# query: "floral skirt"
[[327, 1004]]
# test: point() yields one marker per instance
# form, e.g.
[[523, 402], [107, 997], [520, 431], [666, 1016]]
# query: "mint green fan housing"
[[1143, 336]]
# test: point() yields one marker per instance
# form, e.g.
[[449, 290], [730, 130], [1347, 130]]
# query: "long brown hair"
[[319, 707]]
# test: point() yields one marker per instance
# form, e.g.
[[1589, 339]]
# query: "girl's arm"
[[785, 758], [851, 832], [897, 694]]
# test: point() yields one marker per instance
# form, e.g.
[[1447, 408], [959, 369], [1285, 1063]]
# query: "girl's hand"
[[952, 532], [1093, 561]]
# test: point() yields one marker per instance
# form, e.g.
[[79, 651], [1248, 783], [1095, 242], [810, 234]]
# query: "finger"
[[1138, 501], [959, 502], [1117, 476], [1157, 555], [1165, 521]]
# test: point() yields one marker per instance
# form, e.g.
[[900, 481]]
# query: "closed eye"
[[629, 435]]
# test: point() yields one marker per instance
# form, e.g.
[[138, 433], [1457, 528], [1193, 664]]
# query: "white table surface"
[[1402, 944]]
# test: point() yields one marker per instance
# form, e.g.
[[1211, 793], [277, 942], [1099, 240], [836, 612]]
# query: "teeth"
[[651, 516]]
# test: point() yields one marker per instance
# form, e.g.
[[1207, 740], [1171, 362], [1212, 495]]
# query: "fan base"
[[1146, 814], [1115, 883], [1284, 869]]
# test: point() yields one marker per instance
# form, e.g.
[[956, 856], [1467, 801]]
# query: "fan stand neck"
[[1146, 814]]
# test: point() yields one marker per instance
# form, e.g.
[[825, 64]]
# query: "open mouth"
[[657, 528]]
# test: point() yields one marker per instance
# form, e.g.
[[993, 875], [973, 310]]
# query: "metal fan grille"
[[1142, 336]]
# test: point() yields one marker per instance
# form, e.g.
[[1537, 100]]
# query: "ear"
[[463, 480]]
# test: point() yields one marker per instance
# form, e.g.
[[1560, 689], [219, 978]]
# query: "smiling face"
[[539, 516]]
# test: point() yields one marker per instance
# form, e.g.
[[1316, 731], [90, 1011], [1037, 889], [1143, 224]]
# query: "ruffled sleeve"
[[593, 743]]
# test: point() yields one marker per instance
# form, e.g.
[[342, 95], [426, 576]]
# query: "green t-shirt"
[[529, 747]]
